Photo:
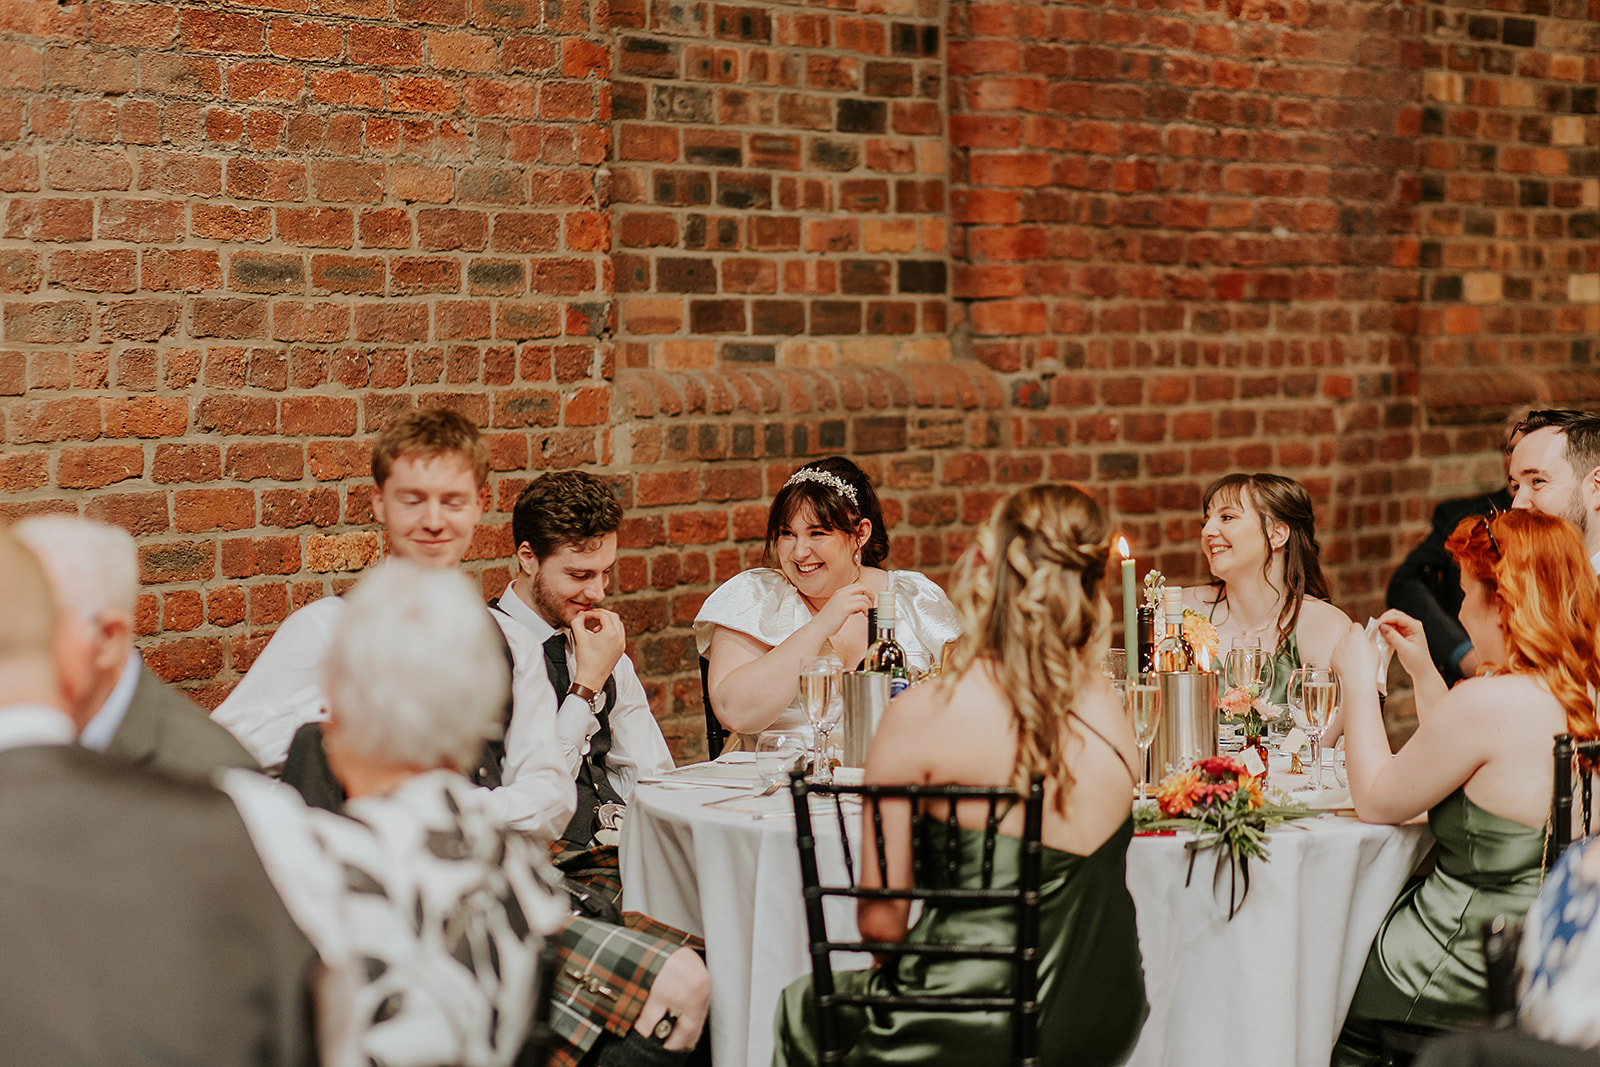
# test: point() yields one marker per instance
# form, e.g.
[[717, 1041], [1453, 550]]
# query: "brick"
[[176, 561], [316, 227], [46, 323], [317, 323], [263, 272], [445, 229], [227, 318], [264, 82], [109, 271], [199, 510], [98, 466], [139, 320], [67, 219], [348, 274], [215, 31], [224, 222], [86, 169]]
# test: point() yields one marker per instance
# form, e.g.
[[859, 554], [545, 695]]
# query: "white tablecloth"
[[1298, 943]]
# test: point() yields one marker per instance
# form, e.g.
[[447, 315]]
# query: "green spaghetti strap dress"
[[1426, 966], [1091, 977]]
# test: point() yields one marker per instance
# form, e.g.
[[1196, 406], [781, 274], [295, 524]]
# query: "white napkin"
[[1384, 652]]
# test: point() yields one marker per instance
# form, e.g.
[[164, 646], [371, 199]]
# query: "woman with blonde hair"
[[1480, 763], [1022, 696]]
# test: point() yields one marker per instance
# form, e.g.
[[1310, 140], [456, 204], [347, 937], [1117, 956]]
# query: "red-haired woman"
[[1479, 763]]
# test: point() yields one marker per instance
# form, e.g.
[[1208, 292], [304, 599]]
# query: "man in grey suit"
[[129, 713], [137, 926]]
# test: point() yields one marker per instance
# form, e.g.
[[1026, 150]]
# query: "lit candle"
[[1130, 613]]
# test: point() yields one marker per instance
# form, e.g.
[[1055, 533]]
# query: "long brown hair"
[[1031, 598], [1277, 499], [1539, 575]]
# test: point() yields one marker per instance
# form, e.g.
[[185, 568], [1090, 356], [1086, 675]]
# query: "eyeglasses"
[[1483, 522]]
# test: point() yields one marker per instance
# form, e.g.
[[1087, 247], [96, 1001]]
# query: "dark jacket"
[[166, 731], [1427, 584]]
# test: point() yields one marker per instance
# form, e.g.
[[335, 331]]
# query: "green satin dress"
[[1091, 977], [1426, 965]]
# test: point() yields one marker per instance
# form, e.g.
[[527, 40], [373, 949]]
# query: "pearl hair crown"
[[827, 478]]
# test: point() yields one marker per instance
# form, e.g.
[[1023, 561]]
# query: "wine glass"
[[1144, 709], [777, 753], [1314, 699], [1115, 668], [1247, 667], [818, 683]]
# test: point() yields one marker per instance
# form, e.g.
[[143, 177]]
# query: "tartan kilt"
[[599, 868], [603, 977]]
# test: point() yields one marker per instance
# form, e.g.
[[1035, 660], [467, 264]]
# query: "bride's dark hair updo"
[[831, 505]]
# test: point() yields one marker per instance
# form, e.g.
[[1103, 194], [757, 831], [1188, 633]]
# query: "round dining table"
[[1267, 988]]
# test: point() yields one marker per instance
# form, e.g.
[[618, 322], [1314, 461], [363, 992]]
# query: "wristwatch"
[[583, 692]]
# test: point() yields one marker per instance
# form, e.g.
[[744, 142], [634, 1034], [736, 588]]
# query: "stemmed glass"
[[1247, 667], [819, 681], [1314, 699], [1144, 709], [1115, 668]]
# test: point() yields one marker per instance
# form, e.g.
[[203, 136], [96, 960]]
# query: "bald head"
[[93, 570], [93, 567], [28, 623]]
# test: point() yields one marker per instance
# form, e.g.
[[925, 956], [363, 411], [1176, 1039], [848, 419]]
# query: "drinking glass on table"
[[1248, 667], [1115, 668], [778, 752], [1314, 699], [1144, 711], [819, 684]]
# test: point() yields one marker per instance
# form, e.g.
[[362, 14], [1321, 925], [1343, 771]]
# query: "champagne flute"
[[1144, 709], [817, 684], [1314, 697]]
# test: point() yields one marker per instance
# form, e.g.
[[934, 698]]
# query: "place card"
[[1252, 761], [1295, 741]]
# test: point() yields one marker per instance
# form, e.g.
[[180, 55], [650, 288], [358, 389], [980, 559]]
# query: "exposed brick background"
[[690, 244]]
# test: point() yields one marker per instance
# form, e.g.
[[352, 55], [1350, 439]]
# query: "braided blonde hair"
[[1030, 593]]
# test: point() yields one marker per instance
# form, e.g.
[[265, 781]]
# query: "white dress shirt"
[[101, 729], [637, 745], [283, 690], [25, 725]]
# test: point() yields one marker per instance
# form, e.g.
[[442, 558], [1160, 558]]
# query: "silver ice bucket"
[[1188, 726], [866, 695]]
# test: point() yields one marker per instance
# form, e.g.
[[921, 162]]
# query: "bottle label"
[[897, 685]]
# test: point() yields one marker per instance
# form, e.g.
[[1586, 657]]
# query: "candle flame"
[[1122, 546], [1204, 658]]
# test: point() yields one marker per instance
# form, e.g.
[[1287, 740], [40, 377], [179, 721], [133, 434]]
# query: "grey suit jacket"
[[166, 731], [137, 926]]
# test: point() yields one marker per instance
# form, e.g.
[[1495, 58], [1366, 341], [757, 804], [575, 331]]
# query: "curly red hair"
[[1537, 571]]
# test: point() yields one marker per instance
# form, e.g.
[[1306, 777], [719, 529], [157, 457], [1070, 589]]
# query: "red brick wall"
[[690, 244]]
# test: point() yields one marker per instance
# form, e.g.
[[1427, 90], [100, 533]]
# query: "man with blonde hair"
[[138, 926], [430, 469], [128, 713]]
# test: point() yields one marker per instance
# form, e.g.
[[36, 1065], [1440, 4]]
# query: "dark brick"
[[922, 276], [864, 277], [827, 154], [682, 188], [835, 316], [862, 116], [1519, 33], [776, 317], [716, 316], [678, 103], [748, 352], [686, 275], [744, 191]]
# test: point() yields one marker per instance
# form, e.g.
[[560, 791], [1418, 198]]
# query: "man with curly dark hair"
[[564, 526]]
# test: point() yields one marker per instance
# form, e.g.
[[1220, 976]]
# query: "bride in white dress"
[[827, 543]]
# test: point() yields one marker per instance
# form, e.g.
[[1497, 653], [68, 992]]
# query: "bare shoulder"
[[1201, 598], [1497, 696], [1321, 627]]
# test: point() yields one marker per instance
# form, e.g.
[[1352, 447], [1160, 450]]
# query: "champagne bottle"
[[885, 656], [1172, 651]]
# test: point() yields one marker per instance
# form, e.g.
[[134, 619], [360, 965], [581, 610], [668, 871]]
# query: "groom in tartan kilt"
[[564, 526]]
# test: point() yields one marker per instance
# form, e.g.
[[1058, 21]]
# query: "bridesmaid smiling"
[[828, 543]]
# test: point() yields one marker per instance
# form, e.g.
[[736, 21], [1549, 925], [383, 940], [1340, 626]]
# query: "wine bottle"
[[885, 656], [1147, 640], [1172, 651], [872, 626]]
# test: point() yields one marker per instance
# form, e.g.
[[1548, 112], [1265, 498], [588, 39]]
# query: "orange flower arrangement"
[[1223, 806], [1199, 632]]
